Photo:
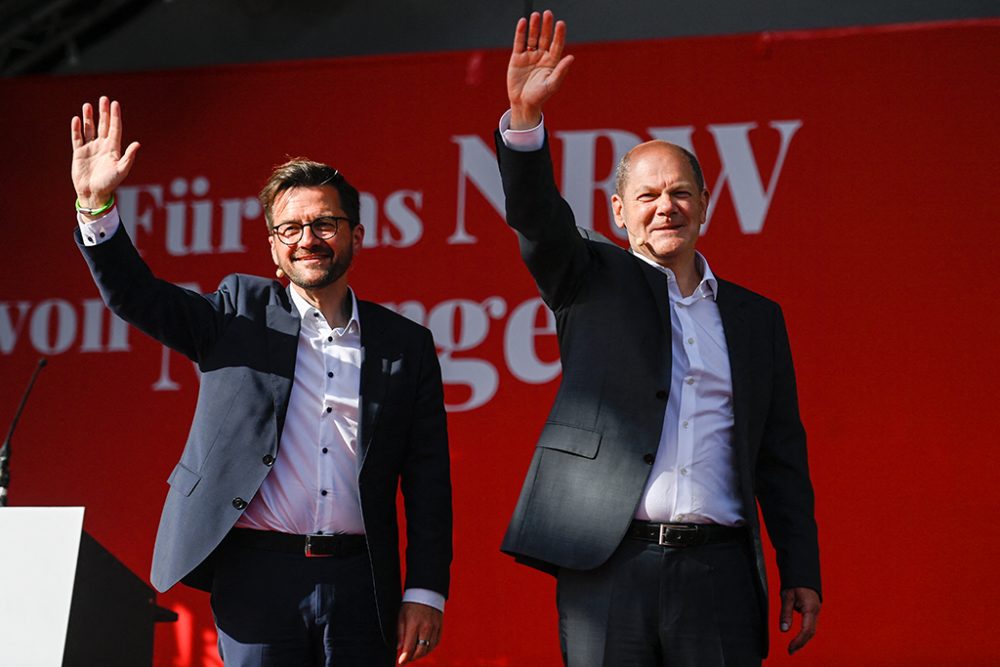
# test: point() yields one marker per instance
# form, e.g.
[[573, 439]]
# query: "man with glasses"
[[314, 407]]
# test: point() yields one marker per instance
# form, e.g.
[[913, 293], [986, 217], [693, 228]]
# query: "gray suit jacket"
[[594, 453], [244, 338]]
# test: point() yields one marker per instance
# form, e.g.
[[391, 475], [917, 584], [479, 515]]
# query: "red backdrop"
[[854, 177]]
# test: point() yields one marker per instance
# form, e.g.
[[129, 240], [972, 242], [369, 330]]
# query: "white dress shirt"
[[693, 479], [313, 486]]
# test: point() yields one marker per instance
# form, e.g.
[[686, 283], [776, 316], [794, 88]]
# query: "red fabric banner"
[[854, 179]]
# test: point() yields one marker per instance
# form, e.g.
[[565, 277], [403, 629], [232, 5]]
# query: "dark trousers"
[[653, 606], [282, 609]]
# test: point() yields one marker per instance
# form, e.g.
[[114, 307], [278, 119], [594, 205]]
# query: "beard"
[[314, 278]]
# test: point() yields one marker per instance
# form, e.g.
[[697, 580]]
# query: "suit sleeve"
[[426, 481], [179, 318], [550, 245], [784, 489]]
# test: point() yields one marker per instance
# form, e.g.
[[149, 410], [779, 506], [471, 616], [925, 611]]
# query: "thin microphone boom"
[[6, 449]]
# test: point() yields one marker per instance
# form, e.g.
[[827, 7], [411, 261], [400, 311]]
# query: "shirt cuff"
[[424, 596], [98, 231], [523, 141]]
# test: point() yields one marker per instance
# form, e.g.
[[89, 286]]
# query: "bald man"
[[676, 415]]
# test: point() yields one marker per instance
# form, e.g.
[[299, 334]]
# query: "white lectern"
[[66, 601]]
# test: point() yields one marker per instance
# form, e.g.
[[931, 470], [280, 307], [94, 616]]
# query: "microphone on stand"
[[5, 450]]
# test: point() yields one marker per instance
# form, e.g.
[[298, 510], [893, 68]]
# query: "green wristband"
[[95, 211]]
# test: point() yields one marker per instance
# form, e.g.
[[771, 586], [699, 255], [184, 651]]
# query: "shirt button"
[[329, 374], [239, 503], [325, 450], [329, 339], [649, 458], [90, 239], [268, 460], [323, 492], [690, 380], [685, 424], [101, 235], [329, 409], [690, 341], [684, 471], [661, 394]]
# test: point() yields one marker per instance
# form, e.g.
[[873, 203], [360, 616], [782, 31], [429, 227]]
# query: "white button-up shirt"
[[693, 478], [314, 485]]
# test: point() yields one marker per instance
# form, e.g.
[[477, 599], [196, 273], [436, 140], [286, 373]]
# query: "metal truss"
[[36, 34]]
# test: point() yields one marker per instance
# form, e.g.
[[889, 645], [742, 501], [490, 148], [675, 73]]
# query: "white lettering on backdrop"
[[740, 176], [190, 222]]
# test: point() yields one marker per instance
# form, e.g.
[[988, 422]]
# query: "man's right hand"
[[537, 67], [98, 163]]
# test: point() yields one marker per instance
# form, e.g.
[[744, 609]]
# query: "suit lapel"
[[734, 324], [377, 363], [658, 285], [283, 324]]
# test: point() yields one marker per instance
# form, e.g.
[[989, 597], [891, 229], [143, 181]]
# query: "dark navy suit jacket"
[[244, 338], [595, 451]]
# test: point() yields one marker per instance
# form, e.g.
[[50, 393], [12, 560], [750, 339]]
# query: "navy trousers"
[[653, 606], [276, 609]]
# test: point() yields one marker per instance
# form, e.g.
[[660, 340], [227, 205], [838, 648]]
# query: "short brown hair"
[[302, 172]]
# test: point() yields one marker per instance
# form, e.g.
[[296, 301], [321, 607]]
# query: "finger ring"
[[531, 48], [423, 642]]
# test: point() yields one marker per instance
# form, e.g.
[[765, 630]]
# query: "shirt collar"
[[707, 287], [308, 313]]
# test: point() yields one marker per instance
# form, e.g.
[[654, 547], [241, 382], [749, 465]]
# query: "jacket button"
[[239, 503], [649, 458], [661, 394], [268, 460]]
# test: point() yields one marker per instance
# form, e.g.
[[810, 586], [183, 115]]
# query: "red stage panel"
[[854, 178]]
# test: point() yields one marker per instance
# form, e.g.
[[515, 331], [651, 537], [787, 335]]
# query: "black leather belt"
[[684, 534], [311, 546]]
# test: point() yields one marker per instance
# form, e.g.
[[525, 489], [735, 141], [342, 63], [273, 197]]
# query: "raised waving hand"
[[99, 166], [537, 67]]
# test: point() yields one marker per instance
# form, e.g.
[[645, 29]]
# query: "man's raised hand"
[[98, 163], [537, 67]]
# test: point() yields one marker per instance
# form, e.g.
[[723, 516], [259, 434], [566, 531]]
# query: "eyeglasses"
[[325, 227]]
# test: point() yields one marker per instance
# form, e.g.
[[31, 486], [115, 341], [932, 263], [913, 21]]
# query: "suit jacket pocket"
[[183, 480], [571, 439]]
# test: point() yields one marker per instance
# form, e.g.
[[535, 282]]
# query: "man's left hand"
[[419, 631], [806, 602]]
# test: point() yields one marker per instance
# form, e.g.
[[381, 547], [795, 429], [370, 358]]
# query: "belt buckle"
[[309, 548], [673, 535]]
